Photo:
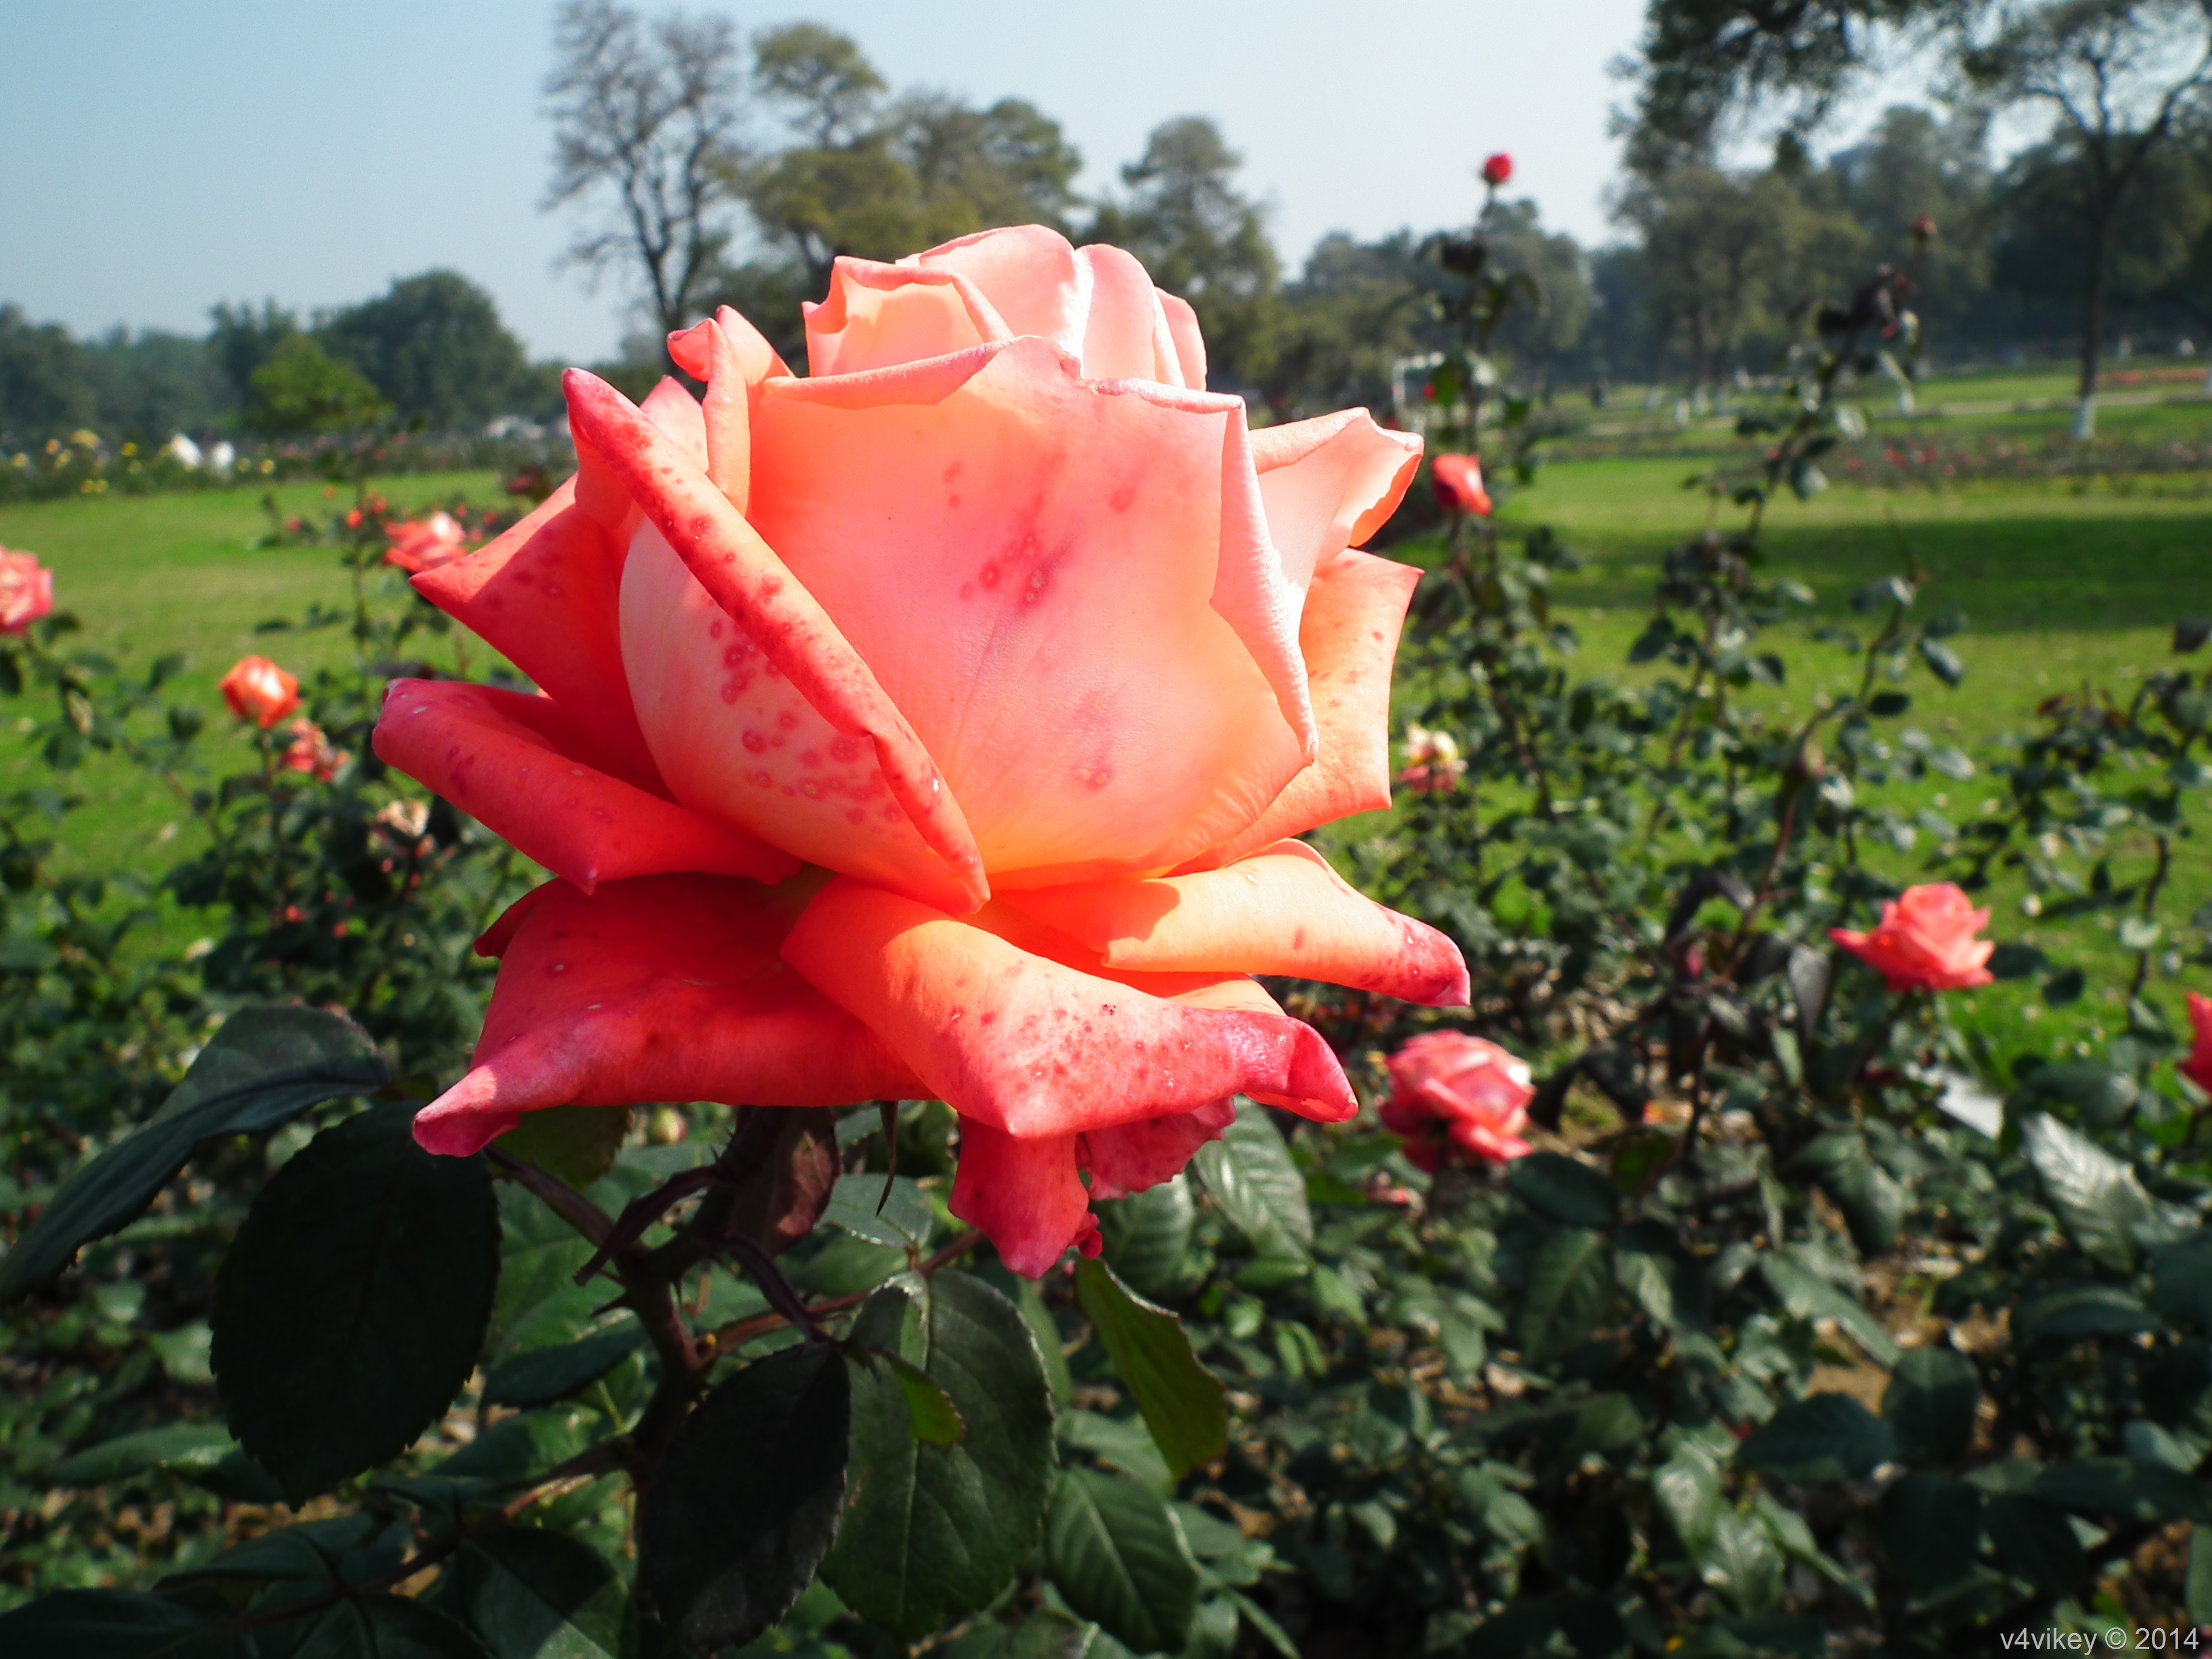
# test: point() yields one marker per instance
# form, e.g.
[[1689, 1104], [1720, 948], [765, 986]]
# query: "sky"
[[160, 158]]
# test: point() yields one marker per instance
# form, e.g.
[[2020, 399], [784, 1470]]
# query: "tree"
[[45, 391], [435, 347], [152, 384], [241, 339], [647, 116], [821, 78], [1911, 164], [301, 390], [1200, 238], [2120, 74]]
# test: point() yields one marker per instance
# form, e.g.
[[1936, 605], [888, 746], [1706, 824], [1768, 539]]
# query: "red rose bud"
[[2197, 1068], [27, 591], [1457, 482], [1925, 941], [1458, 1097], [257, 690], [1497, 169]]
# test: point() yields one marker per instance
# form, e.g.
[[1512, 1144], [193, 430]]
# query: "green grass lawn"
[[2060, 584]]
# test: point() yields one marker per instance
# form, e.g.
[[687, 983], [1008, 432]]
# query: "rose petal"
[[662, 987], [1032, 1047], [728, 353], [1025, 1195], [1028, 274], [1280, 910], [543, 595], [1125, 331], [879, 316], [677, 413], [508, 760], [1137, 1155], [1189, 343], [1330, 483], [793, 637], [1030, 564], [1349, 633]]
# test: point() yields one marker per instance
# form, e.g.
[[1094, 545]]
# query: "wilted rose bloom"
[[1450, 1091], [27, 591], [1432, 763], [1925, 941], [257, 690], [405, 822], [419, 544], [1456, 481], [310, 751], [936, 725], [1497, 169], [2197, 1068]]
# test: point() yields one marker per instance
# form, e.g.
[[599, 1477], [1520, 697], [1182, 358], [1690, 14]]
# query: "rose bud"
[[27, 591], [258, 690], [1925, 941], [2197, 1068], [310, 751], [1456, 481], [1456, 1097], [419, 544], [1497, 169]]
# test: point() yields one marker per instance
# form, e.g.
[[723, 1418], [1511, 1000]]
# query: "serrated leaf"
[[187, 1446], [1805, 1297], [109, 1623], [575, 1143], [931, 1533], [2097, 1198], [1145, 1234], [2079, 1311], [1929, 1405], [1250, 1174], [932, 1418], [1183, 1403], [1566, 1189], [265, 1067], [531, 1594], [386, 1627], [743, 1504], [353, 1303], [1820, 1440], [1570, 1285], [1117, 1555], [903, 1219], [540, 1376]]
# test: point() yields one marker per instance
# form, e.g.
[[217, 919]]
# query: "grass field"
[[2060, 584]]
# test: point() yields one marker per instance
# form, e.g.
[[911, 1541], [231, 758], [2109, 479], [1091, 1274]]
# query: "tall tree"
[[2119, 75], [45, 391], [435, 347], [647, 117]]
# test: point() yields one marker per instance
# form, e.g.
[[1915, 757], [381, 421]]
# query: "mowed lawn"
[[2060, 584]]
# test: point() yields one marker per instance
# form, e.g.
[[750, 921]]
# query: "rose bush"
[[937, 724]]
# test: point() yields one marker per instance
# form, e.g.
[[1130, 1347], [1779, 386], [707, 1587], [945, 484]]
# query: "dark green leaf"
[[2034, 1541], [744, 1502], [1805, 1297], [265, 1067], [2197, 1590], [1570, 1285], [539, 1376], [2015, 961], [932, 1418], [2099, 1094], [2097, 1198], [1818, 1441], [1930, 1524], [1564, 1189], [2064, 987], [930, 1533], [1146, 1234], [1942, 661], [1250, 1174], [576, 1144], [1929, 1405], [1873, 1203], [108, 1624], [387, 1627], [530, 1594], [1117, 1555], [352, 1306], [1182, 1402], [2125, 1489], [185, 1446], [903, 1219], [2181, 1283], [2082, 1310], [1046, 1633]]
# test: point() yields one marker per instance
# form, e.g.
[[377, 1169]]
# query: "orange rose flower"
[[1454, 1095], [310, 751], [1456, 481], [27, 591], [935, 724], [1925, 941], [257, 690], [419, 544]]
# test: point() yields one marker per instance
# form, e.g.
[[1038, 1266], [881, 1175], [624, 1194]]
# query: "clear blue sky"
[[155, 158]]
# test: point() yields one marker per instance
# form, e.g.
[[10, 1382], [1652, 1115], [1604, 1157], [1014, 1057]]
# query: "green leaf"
[[1687, 1489], [184, 1446], [1046, 1633], [932, 1418], [1564, 1189], [2125, 1489], [1117, 1555], [539, 1376], [1250, 1174], [1146, 1234], [1742, 1562], [1182, 1402], [2197, 1590], [1821, 1440], [904, 1220], [575, 1143], [265, 1067], [2099, 1094], [1804, 1296], [352, 1305], [108, 1624], [1942, 661], [933, 1533], [2097, 1198], [2081, 1311], [386, 1627], [1873, 1203], [2033, 1541], [744, 1502], [1930, 1525], [1570, 1285], [2181, 1283], [1929, 1405], [530, 1593], [1120, 1442]]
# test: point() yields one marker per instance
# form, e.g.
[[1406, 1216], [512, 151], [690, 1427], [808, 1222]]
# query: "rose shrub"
[[981, 755]]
